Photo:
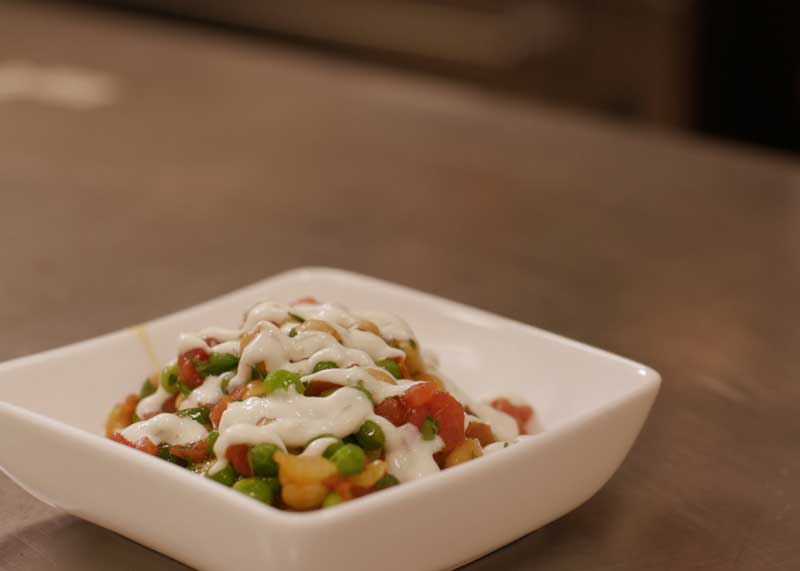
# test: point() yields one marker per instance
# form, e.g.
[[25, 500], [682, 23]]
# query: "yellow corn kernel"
[[319, 325], [373, 472], [368, 326], [245, 340], [254, 389], [303, 469], [414, 360], [304, 496], [121, 415], [464, 452], [382, 375]]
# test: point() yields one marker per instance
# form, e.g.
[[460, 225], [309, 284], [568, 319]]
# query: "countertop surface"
[[146, 166]]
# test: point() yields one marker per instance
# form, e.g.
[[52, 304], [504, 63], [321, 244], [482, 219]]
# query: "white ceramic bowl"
[[590, 406]]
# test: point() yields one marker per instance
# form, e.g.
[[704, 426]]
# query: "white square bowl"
[[590, 406]]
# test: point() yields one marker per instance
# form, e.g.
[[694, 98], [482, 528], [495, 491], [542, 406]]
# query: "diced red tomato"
[[419, 395], [345, 489], [169, 404], [316, 388], [186, 369], [359, 491], [237, 455], [211, 341], [450, 414], [219, 408], [332, 481], [392, 409], [197, 452], [521, 413], [144, 444], [480, 431], [417, 416]]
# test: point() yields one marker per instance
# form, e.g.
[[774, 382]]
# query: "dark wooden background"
[[223, 160]]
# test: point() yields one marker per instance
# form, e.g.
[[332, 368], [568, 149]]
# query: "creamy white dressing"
[[290, 419], [370, 343], [319, 446], [361, 376], [408, 456], [190, 341], [210, 392], [330, 312], [229, 347], [266, 311], [391, 326], [503, 425], [168, 428], [153, 404]]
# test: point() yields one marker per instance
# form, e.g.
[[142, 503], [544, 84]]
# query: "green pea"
[[386, 482], [257, 488], [332, 448], [216, 364], [293, 332], [170, 379], [164, 454], [430, 428], [391, 366], [226, 476], [349, 459], [274, 485], [200, 414], [163, 451], [262, 461], [324, 365], [212, 439], [332, 499], [282, 380], [147, 389], [370, 436]]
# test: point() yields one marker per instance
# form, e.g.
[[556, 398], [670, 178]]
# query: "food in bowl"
[[309, 405]]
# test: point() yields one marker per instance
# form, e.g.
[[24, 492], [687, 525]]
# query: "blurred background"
[[718, 67]]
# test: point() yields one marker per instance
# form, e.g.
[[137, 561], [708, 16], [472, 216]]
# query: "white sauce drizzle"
[[408, 456], [210, 392], [167, 428], [293, 419], [503, 425], [319, 446], [153, 404], [288, 419], [356, 376], [391, 326]]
